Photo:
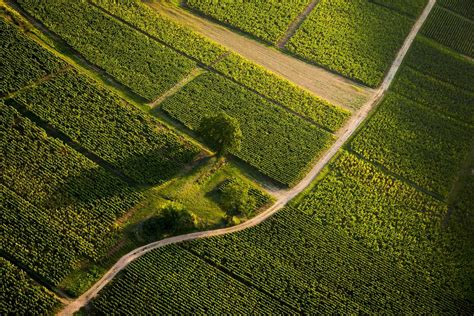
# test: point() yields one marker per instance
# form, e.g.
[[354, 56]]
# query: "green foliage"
[[237, 198], [450, 30], [142, 64], [129, 139], [463, 7], [150, 21], [223, 132], [20, 295], [57, 206], [174, 218], [345, 36], [436, 94], [276, 142], [287, 94], [265, 19], [414, 143], [155, 281], [413, 8], [17, 56], [431, 59]]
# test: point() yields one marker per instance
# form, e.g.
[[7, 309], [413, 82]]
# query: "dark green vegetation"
[[20, 295], [144, 65], [369, 237], [138, 145], [16, 58], [463, 7], [451, 30], [267, 20], [412, 8], [276, 142], [222, 132], [345, 36], [58, 206]]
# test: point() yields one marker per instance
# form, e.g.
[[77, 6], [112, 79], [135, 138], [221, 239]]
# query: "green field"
[[451, 30], [267, 20], [463, 7], [277, 143], [345, 37], [412, 8]]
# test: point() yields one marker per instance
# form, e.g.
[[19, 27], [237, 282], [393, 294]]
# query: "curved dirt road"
[[283, 196]]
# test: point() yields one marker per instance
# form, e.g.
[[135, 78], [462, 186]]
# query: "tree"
[[237, 199], [173, 218], [222, 132]]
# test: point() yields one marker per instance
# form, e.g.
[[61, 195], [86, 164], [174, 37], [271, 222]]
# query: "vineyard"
[[134, 142], [164, 29], [451, 30], [370, 224], [20, 294], [267, 20], [433, 93], [433, 60], [144, 65], [282, 91], [345, 37], [463, 7], [276, 142], [16, 56], [59, 207], [413, 8], [415, 143]]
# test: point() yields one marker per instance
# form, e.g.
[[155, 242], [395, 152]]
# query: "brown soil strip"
[[319, 81]]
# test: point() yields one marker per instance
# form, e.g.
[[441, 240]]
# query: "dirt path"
[[295, 25], [334, 88], [283, 196]]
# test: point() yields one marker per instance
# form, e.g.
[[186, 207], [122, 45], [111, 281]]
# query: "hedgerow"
[[267, 20], [279, 144], [20, 295], [134, 142], [23, 60], [282, 91], [451, 30], [144, 65], [345, 37]]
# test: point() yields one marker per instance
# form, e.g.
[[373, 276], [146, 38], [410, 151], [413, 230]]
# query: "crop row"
[[199, 289], [59, 207], [282, 91], [276, 142], [267, 20], [20, 295], [463, 7], [23, 60], [433, 93], [161, 27], [119, 133], [415, 143], [345, 37], [413, 8], [359, 242], [432, 59], [144, 65], [450, 30]]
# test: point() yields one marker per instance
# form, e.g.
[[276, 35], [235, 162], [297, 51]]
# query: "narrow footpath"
[[284, 196]]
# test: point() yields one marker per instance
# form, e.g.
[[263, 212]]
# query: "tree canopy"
[[222, 132]]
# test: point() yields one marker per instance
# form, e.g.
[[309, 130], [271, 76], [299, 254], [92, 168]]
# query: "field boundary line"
[[287, 195], [295, 24]]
